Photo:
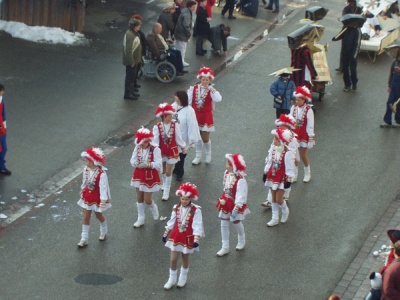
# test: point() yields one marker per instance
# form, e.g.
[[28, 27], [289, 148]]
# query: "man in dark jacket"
[[391, 282], [203, 28], [351, 40], [218, 38], [352, 8]]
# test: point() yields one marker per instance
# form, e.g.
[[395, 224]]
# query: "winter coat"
[[202, 25], [165, 19], [351, 41], [391, 282], [209, 5], [132, 49], [183, 27], [278, 89], [218, 39], [155, 44]]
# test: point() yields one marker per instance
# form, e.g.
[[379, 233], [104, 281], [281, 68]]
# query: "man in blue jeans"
[[3, 134], [394, 96]]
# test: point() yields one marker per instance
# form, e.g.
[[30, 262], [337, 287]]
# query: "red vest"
[[168, 145], [207, 105], [91, 193]]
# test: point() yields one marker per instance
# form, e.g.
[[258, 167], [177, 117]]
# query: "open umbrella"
[[352, 20], [305, 35]]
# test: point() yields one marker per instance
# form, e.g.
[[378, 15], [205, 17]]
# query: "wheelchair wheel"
[[165, 72]]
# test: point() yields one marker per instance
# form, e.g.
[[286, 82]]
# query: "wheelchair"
[[159, 68]]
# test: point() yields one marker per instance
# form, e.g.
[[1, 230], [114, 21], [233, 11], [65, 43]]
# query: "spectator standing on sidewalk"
[[393, 89], [183, 29], [351, 41], [3, 134], [202, 97], [95, 193], [391, 282], [219, 39], [203, 28], [177, 12], [229, 7], [132, 58], [186, 117], [146, 159], [270, 5], [185, 229], [167, 22], [143, 44]]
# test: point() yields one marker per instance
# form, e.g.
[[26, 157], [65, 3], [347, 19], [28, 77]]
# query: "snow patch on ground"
[[42, 34]]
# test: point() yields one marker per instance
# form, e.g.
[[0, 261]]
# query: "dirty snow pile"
[[42, 34]]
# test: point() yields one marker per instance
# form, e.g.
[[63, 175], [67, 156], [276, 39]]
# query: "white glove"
[[310, 144]]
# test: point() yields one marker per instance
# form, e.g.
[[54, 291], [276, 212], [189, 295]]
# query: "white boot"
[[84, 236], [307, 174], [207, 148], [167, 188], [141, 216], [173, 274], [241, 236], [275, 215], [182, 277], [199, 153], [162, 181], [285, 212], [103, 231], [225, 238], [154, 210], [286, 194], [296, 172]]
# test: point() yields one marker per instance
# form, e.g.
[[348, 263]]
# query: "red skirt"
[[147, 177], [229, 206], [182, 239], [205, 119]]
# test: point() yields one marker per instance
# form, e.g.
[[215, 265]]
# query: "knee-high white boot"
[[199, 153], [103, 231], [182, 277], [275, 215], [167, 188], [84, 236], [173, 274], [307, 174], [285, 212], [225, 238], [296, 171], [207, 148], [141, 216], [162, 181], [154, 210], [241, 236], [286, 194]]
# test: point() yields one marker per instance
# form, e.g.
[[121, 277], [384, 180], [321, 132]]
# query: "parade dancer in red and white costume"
[[279, 171], [202, 97], [167, 135], [232, 205], [95, 193], [185, 229], [146, 159], [304, 116], [286, 122]]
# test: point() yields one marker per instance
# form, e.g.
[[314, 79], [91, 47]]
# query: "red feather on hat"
[[188, 190], [205, 72], [237, 162], [143, 134], [165, 109], [95, 154], [284, 135], [286, 120], [302, 91]]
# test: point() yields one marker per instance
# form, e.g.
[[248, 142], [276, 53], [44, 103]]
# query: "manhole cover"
[[97, 279]]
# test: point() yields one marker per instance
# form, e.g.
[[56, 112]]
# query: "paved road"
[[353, 184]]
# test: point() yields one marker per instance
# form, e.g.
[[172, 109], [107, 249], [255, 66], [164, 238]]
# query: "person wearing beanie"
[[183, 233], [146, 159], [132, 58], [95, 193], [282, 89], [232, 205], [202, 97], [167, 134], [376, 284], [304, 117], [279, 172], [390, 281], [286, 122], [394, 236]]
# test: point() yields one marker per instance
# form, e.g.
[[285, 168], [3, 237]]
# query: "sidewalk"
[[355, 282]]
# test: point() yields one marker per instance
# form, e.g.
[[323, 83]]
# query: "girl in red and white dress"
[[285, 122], [202, 97], [146, 159], [185, 229], [279, 171], [304, 116], [232, 205], [167, 134], [95, 193]]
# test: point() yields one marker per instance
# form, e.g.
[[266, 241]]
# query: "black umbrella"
[[352, 20]]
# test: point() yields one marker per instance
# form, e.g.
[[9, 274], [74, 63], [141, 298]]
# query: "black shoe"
[[231, 17], [178, 178], [275, 11], [204, 51], [354, 87], [268, 7], [180, 73], [265, 2], [339, 70], [134, 94], [130, 97], [136, 90], [5, 171], [137, 85], [346, 89], [200, 53], [184, 71], [223, 15]]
